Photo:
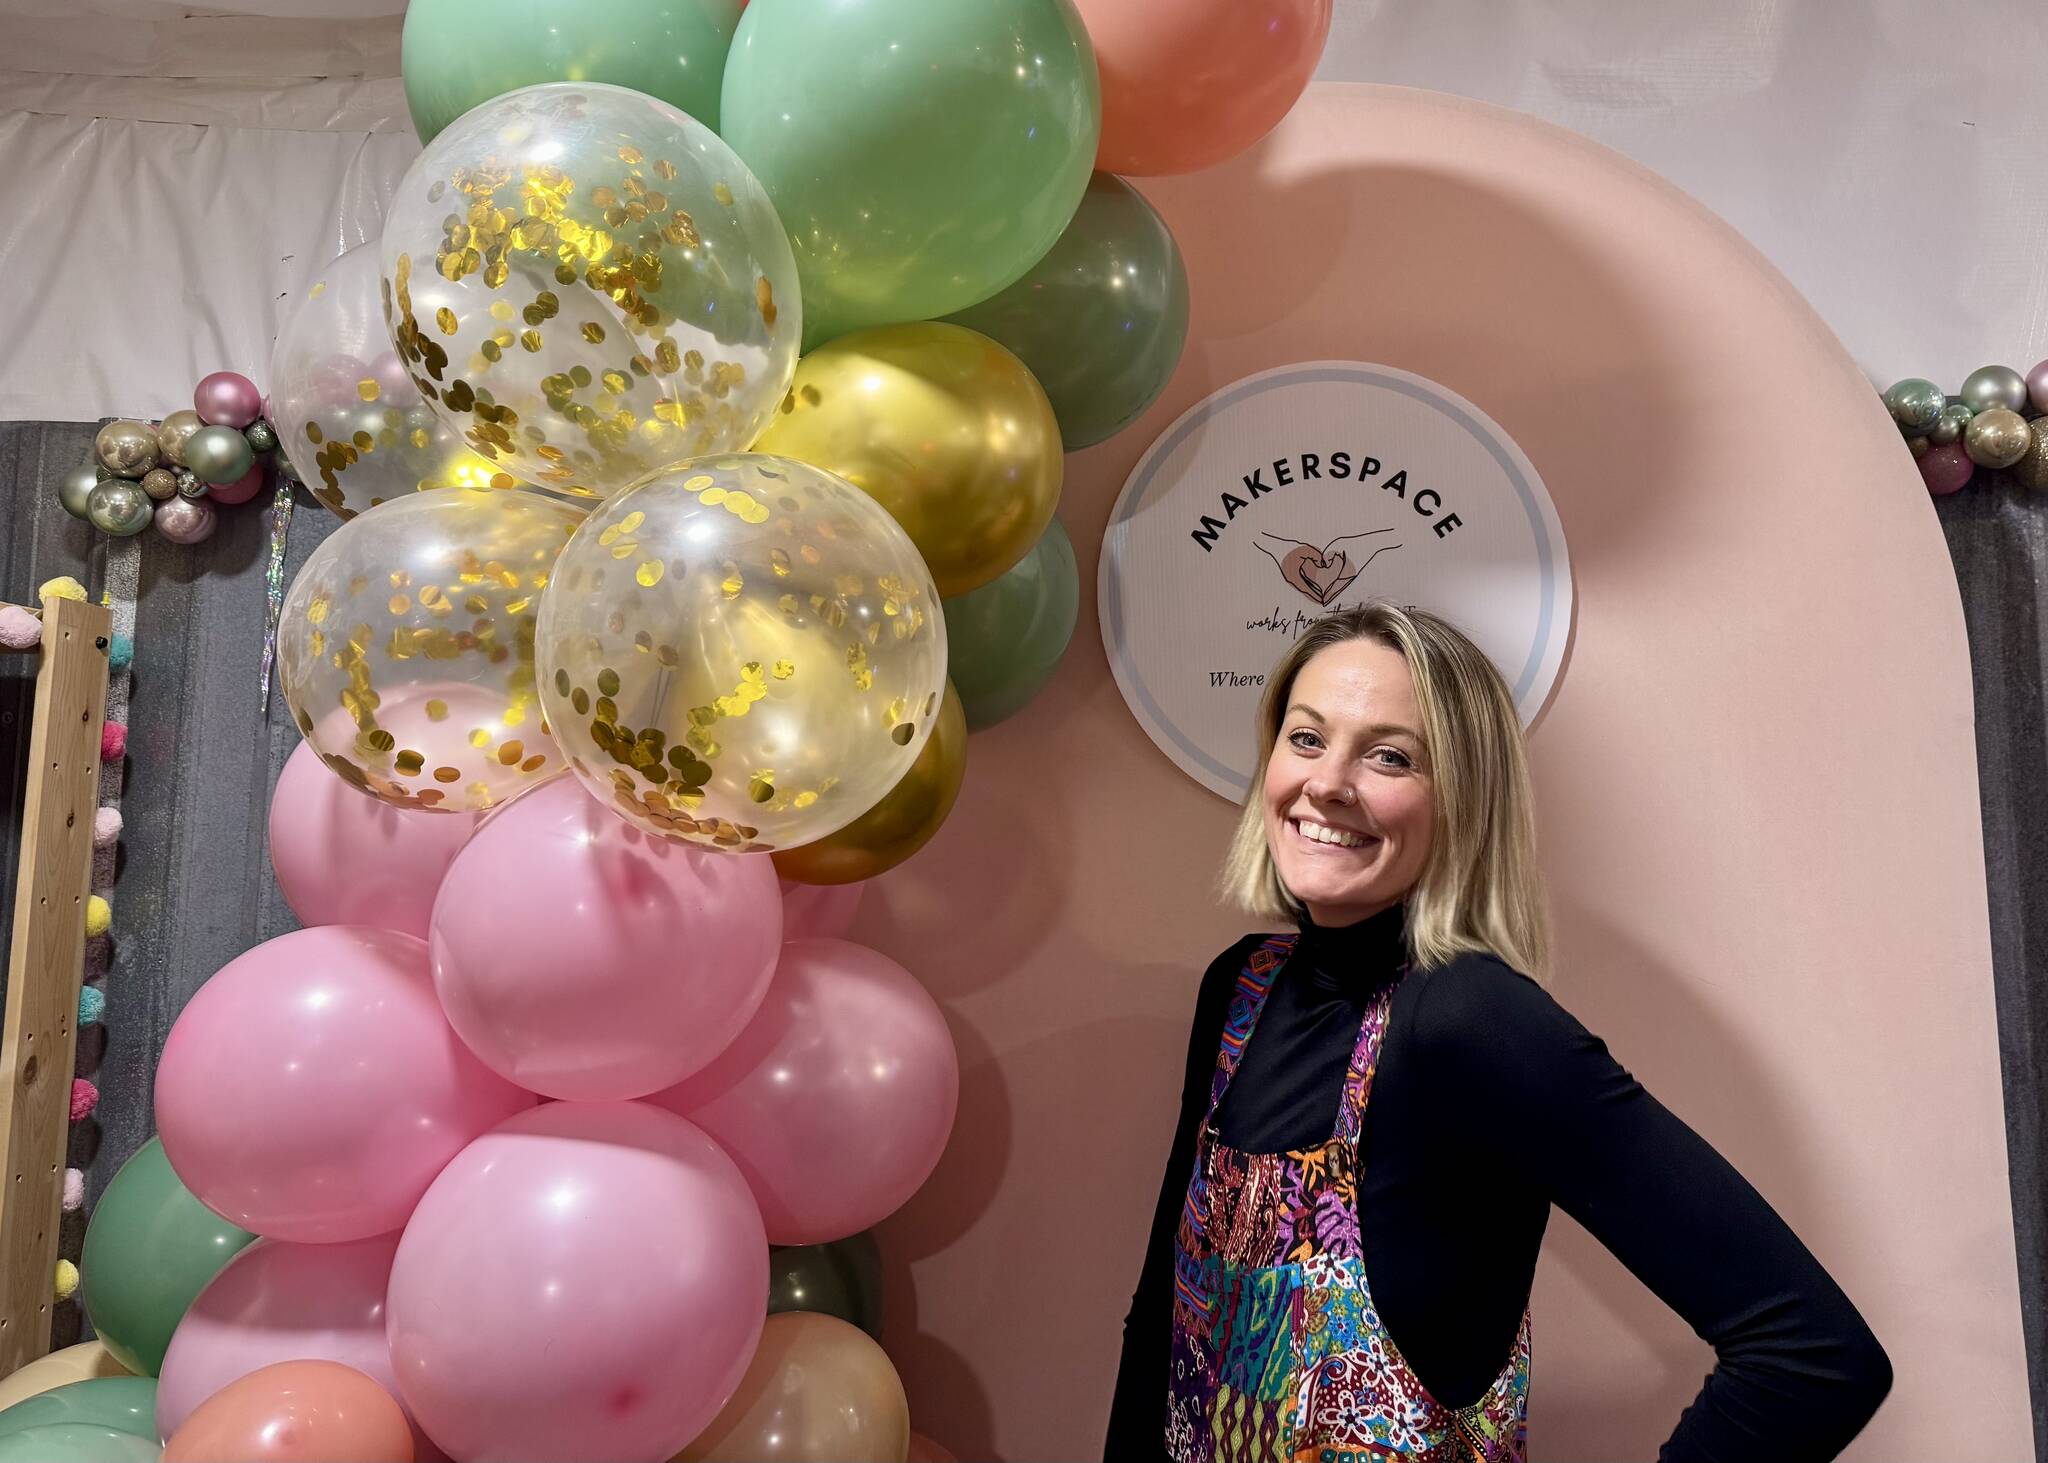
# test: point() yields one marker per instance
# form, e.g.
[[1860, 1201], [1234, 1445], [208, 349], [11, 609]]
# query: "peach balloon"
[[295, 1412], [1187, 84], [817, 1391]]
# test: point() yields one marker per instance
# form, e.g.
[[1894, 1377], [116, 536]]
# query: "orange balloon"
[[295, 1412], [924, 1450], [817, 1391], [1187, 84]]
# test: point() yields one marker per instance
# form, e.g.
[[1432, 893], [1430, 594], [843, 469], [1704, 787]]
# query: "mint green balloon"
[[1005, 639], [922, 153], [125, 1404], [457, 54], [151, 1248], [77, 1442], [1101, 319]]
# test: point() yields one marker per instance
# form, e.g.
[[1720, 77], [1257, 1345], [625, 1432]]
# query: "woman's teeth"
[[1321, 833]]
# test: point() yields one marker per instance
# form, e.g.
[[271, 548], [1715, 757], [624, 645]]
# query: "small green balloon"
[[1101, 319], [120, 507], [261, 436], [219, 455], [1005, 639], [74, 489], [151, 1247], [1915, 404], [1953, 422], [126, 1404], [77, 1442], [921, 155], [843, 1279], [457, 54]]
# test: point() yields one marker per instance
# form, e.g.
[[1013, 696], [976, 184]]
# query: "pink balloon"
[[1947, 469], [227, 399], [1187, 84], [344, 858], [585, 959], [312, 1089], [282, 1302], [819, 911], [585, 1281], [837, 1099], [242, 489]]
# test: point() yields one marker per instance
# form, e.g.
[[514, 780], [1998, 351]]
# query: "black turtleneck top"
[[1491, 1104]]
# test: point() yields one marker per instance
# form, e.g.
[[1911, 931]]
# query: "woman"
[[1380, 1110]]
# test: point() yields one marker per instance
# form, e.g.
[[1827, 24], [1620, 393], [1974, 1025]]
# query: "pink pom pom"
[[84, 1098], [74, 1191], [106, 827], [113, 741], [19, 629]]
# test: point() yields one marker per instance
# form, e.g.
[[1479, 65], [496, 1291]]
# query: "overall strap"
[[1253, 985], [1365, 1060]]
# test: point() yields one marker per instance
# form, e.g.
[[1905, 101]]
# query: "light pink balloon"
[[242, 489], [819, 911], [837, 1099], [312, 1089], [587, 1281], [344, 858], [282, 1302], [585, 959]]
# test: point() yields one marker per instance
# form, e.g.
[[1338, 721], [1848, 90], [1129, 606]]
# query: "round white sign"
[[1303, 490]]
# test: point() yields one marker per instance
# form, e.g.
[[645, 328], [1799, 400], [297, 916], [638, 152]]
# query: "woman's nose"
[[1330, 792]]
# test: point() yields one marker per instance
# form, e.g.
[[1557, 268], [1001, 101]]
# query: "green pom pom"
[[121, 654]]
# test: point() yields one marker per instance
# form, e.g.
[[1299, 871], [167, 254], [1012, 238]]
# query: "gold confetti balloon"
[[746, 653], [406, 646], [590, 287], [356, 429]]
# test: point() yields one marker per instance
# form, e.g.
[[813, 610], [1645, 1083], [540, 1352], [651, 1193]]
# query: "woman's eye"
[[1305, 739], [1390, 757]]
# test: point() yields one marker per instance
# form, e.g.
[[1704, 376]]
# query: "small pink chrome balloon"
[[2037, 388], [344, 858], [243, 488], [186, 520], [282, 1302], [227, 399], [837, 1099], [585, 959], [1947, 469], [312, 1089], [819, 911], [585, 1281]]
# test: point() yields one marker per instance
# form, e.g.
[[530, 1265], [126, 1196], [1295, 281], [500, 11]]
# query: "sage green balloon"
[[219, 455], [842, 1278], [1101, 319], [151, 1247], [1005, 639], [458, 54], [923, 154], [77, 1442], [74, 489], [126, 1404]]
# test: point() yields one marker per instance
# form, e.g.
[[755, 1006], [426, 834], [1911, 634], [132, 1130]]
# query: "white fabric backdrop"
[[167, 179]]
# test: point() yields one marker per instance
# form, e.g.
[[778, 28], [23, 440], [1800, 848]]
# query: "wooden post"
[[39, 1041]]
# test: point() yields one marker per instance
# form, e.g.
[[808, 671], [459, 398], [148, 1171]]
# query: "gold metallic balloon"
[[745, 654], [127, 449], [817, 1391], [406, 646], [945, 428], [1997, 438], [2031, 471], [901, 823], [174, 432]]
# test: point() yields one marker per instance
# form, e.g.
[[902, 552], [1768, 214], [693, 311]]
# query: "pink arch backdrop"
[[1758, 784]]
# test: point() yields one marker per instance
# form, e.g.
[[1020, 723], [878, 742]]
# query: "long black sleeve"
[[1137, 1413]]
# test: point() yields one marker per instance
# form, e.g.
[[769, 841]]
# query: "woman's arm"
[[1137, 1413], [1798, 1372]]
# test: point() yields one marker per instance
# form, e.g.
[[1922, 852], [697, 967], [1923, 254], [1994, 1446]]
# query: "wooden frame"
[[38, 1044]]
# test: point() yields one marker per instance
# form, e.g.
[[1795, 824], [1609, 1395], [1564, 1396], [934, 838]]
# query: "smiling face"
[[1349, 802]]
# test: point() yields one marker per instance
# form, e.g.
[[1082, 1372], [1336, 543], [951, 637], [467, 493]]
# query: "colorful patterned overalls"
[[1278, 1353]]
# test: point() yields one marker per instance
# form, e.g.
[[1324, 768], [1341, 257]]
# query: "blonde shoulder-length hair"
[[1480, 889]]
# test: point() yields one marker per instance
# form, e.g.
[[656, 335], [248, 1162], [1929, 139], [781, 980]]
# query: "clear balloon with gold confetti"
[[356, 429], [406, 646], [746, 653], [590, 287]]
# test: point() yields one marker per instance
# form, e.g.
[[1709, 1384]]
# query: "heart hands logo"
[[1323, 573]]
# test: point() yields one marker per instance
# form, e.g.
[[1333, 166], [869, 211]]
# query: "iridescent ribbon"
[[273, 581]]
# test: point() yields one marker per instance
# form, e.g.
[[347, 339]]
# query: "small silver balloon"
[[75, 487], [1997, 438], [1955, 418], [175, 432], [1989, 388], [161, 483], [119, 507], [127, 448], [191, 484], [186, 520], [221, 455], [1915, 404], [261, 436]]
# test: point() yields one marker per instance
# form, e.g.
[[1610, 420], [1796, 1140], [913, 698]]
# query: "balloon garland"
[[1995, 422], [176, 474]]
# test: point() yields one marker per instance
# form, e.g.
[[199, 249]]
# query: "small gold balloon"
[[1997, 438], [127, 449], [175, 431], [940, 425], [816, 1391], [2031, 471], [901, 823]]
